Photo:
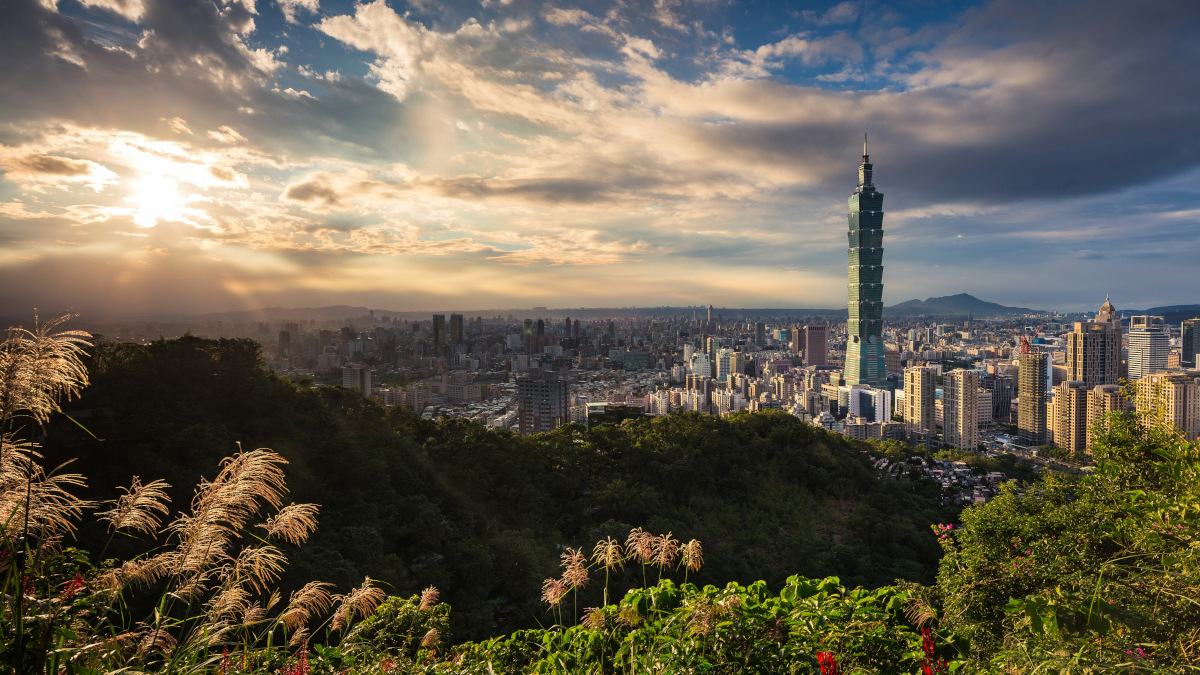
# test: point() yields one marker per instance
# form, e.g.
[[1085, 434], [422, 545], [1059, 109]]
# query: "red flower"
[[829, 665], [72, 587]]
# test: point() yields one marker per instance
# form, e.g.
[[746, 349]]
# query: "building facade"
[[1102, 400], [1070, 418], [543, 403], [1149, 344], [1170, 401], [920, 384], [864, 341], [1189, 333], [816, 345], [1031, 405], [1094, 349], [960, 409]]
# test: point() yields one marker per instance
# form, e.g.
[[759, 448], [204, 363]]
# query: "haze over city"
[[213, 156]]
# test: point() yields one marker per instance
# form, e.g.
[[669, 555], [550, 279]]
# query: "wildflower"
[[72, 587], [223, 669], [829, 665], [387, 665]]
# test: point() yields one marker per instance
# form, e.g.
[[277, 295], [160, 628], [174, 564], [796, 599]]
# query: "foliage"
[[483, 514], [1099, 572]]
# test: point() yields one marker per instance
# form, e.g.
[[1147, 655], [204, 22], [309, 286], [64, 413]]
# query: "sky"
[[191, 156]]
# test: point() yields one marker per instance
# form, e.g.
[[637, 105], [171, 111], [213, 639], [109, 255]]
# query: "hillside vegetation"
[[483, 515]]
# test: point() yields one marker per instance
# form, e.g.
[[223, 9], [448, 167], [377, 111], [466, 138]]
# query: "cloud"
[[226, 134], [289, 8], [31, 170]]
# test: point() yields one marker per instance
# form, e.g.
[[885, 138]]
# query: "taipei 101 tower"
[[864, 339]]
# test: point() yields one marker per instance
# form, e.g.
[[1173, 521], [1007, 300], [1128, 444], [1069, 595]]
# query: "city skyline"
[[205, 157]]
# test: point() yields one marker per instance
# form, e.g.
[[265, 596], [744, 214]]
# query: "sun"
[[156, 197]]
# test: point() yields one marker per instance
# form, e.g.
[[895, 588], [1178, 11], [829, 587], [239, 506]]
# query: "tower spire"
[[864, 146]]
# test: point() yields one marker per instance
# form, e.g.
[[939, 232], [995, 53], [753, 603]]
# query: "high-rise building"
[[439, 331], [357, 378], [543, 403], [1094, 349], [960, 409], [920, 383], [796, 339], [285, 344], [1171, 401], [1070, 418], [760, 333], [1149, 344], [1189, 333], [816, 345], [1002, 395], [456, 329], [1102, 400], [864, 326], [1031, 394]]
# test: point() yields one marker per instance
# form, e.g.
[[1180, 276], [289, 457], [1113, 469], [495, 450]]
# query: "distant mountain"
[[954, 305], [1173, 314]]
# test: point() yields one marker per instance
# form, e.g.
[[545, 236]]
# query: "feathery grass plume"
[[254, 613], [361, 601], [628, 616], [39, 366], [299, 638], [30, 496], [594, 618], [919, 612], [575, 574], [608, 552], [222, 507], [191, 587], [640, 545], [665, 550], [293, 523], [259, 566], [429, 597], [309, 601], [230, 602], [137, 509], [156, 637], [431, 638], [553, 591], [701, 618], [692, 555]]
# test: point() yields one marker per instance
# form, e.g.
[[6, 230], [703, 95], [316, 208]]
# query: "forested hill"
[[482, 514]]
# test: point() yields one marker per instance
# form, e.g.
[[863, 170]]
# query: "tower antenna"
[[864, 144]]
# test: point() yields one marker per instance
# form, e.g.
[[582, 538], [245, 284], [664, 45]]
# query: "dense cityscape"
[[1026, 383]]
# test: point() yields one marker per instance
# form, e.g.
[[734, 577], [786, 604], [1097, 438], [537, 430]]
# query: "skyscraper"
[[1171, 401], [919, 385], [456, 329], [1094, 349], [1031, 398], [1149, 345], [543, 403], [816, 345], [1189, 332], [1102, 400], [864, 327], [1071, 416], [960, 401], [439, 330]]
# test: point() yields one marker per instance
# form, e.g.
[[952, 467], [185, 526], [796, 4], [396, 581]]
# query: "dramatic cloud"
[[452, 154]]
